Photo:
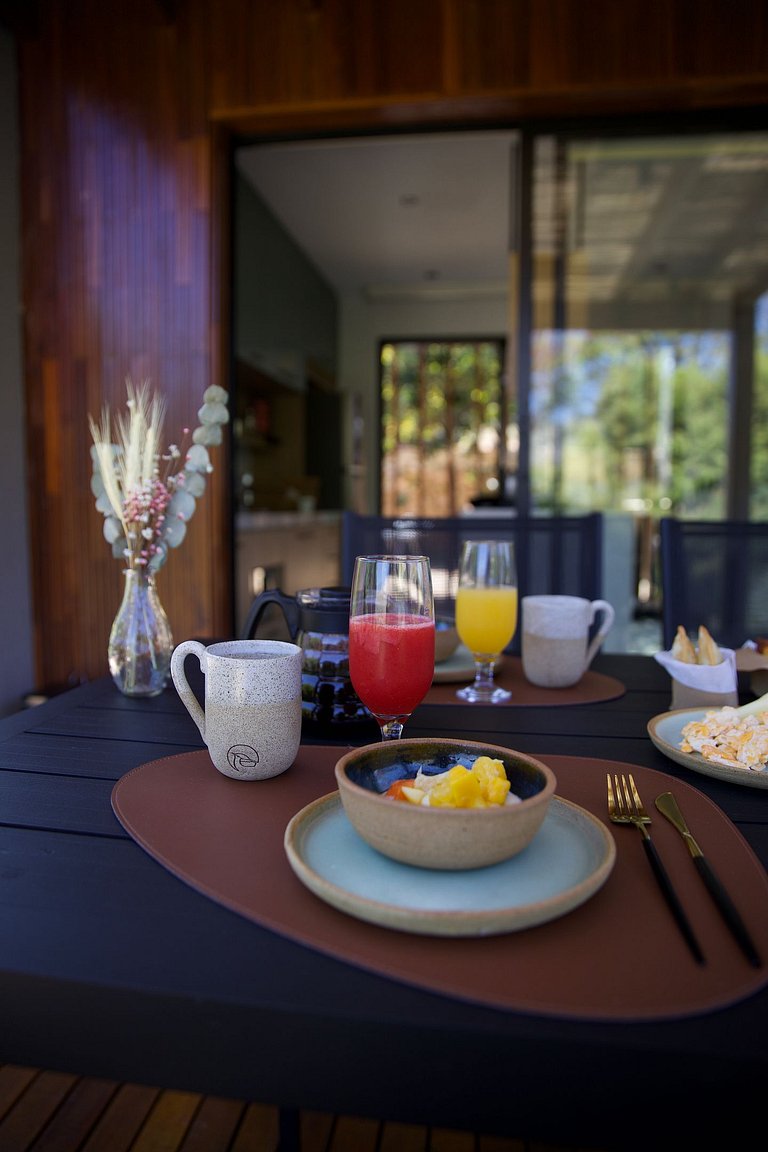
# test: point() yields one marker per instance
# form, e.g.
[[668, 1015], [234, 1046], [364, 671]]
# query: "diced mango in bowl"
[[483, 785], [377, 781]]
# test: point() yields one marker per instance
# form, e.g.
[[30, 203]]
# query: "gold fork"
[[626, 807]]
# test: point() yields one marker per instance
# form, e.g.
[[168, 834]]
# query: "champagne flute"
[[486, 612], [391, 637]]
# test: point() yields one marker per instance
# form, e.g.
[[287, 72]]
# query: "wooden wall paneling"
[[127, 250], [220, 313], [493, 44], [714, 39], [564, 57], [624, 45], [309, 51], [403, 49]]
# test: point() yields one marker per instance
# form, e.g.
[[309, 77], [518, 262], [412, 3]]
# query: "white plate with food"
[[568, 861], [666, 732]]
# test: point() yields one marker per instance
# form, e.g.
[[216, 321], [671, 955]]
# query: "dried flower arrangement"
[[146, 495]]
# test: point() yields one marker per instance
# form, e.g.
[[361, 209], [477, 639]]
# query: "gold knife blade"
[[669, 807]]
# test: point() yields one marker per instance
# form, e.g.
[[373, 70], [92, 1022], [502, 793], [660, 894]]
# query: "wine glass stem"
[[484, 673], [391, 729]]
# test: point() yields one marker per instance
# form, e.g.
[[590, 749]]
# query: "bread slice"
[[708, 653], [682, 648]]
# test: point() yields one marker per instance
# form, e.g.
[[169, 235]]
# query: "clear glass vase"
[[140, 643]]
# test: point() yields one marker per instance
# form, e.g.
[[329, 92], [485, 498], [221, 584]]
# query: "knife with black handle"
[[668, 807]]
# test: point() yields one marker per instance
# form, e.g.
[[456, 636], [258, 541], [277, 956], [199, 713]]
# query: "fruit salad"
[[484, 785]]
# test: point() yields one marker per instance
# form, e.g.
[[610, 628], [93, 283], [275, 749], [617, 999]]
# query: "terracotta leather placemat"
[[617, 957], [593, 688]]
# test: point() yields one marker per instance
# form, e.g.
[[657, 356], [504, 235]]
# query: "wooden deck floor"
[[44, 1111]]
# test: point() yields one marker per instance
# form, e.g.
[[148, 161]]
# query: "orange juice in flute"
[[486, 612]]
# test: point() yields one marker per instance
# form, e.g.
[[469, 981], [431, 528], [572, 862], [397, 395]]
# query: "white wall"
[[16, 666]]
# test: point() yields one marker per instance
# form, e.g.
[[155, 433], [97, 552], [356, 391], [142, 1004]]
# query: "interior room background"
[[127, 115]]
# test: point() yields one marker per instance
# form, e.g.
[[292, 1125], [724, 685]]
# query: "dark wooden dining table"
[[110, 965]]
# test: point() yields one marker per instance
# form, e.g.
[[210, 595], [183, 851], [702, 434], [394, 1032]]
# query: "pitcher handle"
[[287, 604], [179, 677], [607, 623]]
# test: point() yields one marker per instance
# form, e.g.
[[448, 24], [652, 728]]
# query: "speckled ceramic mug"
[[556, 647], [251, 722]]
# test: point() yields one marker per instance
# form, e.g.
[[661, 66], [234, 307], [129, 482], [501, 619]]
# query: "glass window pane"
[[630, 421], [441, 417], [758, 507], [649, 388]]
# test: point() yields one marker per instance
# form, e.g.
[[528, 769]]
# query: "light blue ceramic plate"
[[459, 668], [666, 733], [569, 859]]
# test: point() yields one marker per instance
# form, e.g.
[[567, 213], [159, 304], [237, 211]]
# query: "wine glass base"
[[391, 729], [485, 694]]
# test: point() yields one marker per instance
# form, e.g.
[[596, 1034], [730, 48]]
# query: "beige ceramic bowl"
[[445, 838], [446, 638]]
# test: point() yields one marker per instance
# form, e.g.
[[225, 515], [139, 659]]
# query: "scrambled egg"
[[483, 785], [723, 737]]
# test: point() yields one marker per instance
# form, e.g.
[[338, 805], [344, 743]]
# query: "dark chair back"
[[715, 573], [556, 555]]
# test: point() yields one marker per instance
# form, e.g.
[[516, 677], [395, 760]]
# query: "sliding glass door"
[[549, 321], [648, 386]]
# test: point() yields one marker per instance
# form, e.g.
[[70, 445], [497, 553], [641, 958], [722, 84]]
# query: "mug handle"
[[608, 618], [179, 677]]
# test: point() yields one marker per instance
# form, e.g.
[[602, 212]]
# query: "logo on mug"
[[242, 758]]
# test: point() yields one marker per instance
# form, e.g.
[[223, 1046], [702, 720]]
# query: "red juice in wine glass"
[[391, 661]]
